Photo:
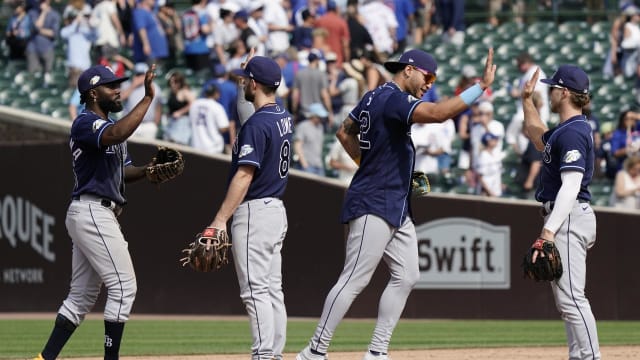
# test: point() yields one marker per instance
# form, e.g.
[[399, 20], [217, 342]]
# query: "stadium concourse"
[[550, 44]]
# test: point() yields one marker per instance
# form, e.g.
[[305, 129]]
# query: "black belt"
[[108, 203], [548, 206]]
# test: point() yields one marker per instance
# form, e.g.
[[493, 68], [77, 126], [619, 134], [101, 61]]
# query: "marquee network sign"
[[463, 253]]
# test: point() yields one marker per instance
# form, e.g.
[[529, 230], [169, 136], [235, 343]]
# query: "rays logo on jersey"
[[97, 124], [411, 98], [245, 150], [571, 156], [546, 157]]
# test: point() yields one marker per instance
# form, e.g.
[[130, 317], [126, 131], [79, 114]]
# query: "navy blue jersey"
[[264, 141], [568, 147], [97, 169], [381, 186]]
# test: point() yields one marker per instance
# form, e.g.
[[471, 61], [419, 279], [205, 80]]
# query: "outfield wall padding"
[[35, 250]]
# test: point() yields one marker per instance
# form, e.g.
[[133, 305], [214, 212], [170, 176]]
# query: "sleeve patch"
[[571, 156], [97, 125], [411, 98], [245, 150]]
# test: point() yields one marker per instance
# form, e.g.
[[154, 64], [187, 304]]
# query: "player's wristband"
[[471, 94]]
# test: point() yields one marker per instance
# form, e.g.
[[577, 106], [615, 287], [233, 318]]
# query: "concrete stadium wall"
[[470, 247]]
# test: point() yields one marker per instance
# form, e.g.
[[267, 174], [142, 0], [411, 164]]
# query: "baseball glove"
[[166, 165], [420, 184], [548, 265], [208, 252]]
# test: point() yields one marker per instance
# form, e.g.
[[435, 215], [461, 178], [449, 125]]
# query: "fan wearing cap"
[[260, 160], [569, 220], [101, 166], [377, 205]]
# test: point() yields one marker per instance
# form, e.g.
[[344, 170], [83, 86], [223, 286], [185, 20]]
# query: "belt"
[[108, 203], [548, 206]]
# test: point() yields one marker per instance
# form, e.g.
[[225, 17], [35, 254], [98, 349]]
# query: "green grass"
[[25, 338]]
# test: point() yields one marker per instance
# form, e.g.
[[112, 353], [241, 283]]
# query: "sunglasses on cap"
[[429, 78]]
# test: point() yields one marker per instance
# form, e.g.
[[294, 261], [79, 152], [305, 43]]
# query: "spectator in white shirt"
[[208, 122]]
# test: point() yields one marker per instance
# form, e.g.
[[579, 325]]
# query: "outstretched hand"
[[250, 55], [149, 90], [489, 71], [530, 85]]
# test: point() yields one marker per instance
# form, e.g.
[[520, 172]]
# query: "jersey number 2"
[[365, 125]]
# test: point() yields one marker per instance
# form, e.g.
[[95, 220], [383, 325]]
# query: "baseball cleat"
[[306, 354], [39, 357], [370, 356]]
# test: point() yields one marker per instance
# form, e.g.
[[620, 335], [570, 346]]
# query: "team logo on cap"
[[94, 80], [571, 156]]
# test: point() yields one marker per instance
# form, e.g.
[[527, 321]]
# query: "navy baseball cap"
[[488, 137], [96, 76], [415, 57], [570, 77], [263, 70]]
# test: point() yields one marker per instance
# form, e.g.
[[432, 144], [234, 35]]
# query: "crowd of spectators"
[[331, 52]]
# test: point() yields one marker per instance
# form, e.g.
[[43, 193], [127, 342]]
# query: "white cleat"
[[306, 354], [369, 356]]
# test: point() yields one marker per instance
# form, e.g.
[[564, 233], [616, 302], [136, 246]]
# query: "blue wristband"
[[471, 94]]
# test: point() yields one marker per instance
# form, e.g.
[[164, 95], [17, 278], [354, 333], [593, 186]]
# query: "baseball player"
[[208, 122], [101, 166], [377, 204], [567, 168], [259, 171]]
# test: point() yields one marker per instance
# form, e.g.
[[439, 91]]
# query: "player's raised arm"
[[533, 126], [123, 129], [427, 112]]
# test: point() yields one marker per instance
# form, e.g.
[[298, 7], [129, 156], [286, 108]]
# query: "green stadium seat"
[[539, 29], [573, 26], [476, 51], [479, 30], [601, 29], [60, 112]]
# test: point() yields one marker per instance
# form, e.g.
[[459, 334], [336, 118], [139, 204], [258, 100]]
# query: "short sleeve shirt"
[[381, 186], [97, 169], [568, 147], [265, 141]]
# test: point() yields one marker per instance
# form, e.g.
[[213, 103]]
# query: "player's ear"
[[93, 95]]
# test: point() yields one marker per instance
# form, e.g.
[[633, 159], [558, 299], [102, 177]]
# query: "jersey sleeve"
[[400, 107], [354, 114], [573, 151], [88, 129], [251, 145]]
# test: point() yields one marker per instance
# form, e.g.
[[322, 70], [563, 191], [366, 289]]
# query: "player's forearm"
[[351, 145], [533, 127], [123, 128], [134, 173], [238, 188]]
